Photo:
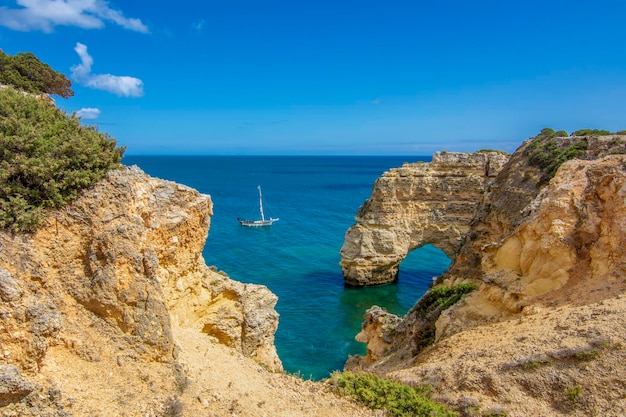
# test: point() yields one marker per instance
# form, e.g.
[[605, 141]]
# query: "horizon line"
[[284, 155]]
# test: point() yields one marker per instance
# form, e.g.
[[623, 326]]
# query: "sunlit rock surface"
[[99, 290], [544, 333], [417, 204]]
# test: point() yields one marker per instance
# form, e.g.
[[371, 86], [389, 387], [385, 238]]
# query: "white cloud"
[[88, 113], [120, 85], [45, 15]]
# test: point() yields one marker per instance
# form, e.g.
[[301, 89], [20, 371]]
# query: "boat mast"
[[261, 204]]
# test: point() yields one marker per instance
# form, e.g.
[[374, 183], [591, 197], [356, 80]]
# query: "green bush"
[[46, 158], [25, 72], [548, 154], [443, 297], [549, 133], [536, 363], [591, 132], [546, 133], [432, 304], [574, 393], [395, 398]]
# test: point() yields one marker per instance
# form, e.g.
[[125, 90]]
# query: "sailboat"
[[263, 221]]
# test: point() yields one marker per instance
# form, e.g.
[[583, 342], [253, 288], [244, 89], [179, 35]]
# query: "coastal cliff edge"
[[530, 318]]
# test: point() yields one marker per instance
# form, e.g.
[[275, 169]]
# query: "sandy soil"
[[225, 383]]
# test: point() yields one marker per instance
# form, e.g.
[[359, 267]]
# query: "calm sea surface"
[[316, 199]]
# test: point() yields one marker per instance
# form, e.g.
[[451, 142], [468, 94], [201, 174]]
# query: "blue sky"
[[329, 77]]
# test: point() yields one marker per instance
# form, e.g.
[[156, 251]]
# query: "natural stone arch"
[[424, 259], [417, 204]]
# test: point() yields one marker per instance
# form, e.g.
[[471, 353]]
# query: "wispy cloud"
[[88, 113], [45, 15], [120, 85], [198, 25]]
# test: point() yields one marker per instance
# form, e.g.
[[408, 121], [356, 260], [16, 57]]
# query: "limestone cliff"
[[110, 310], [545, 331], [414, 205], [105, 281]]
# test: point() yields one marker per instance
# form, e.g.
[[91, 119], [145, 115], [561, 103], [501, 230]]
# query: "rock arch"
[[414, 205]]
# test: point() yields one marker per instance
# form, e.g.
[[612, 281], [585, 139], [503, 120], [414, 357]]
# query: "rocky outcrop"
[[417, 204], [99, 289], [544, 332], [533, 239]]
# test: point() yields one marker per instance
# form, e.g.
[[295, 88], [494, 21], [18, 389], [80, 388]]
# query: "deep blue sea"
[[316, 199]]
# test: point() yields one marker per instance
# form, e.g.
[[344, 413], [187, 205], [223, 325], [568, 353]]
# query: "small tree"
[[27, 73]]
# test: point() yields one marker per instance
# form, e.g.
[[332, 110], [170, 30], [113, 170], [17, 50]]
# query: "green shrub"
[[46, 158], [549, 133], [548, 154], [430, 307], [587, 355], [443, 297], [546, 133], [25, 72], [574, 394], [591, 132], [536, 363], [395, 398]]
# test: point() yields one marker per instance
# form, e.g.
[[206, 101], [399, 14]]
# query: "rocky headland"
[[109, 309], [530, 318], [414, 205]]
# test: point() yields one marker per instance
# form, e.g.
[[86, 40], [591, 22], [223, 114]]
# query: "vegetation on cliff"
[[432, 304], [395, 398], [46, 158], [547, 153], [26, 72]]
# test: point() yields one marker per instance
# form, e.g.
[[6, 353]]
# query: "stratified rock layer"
[[417, 204]]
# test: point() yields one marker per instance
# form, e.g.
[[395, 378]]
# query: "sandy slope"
[[225, 383]]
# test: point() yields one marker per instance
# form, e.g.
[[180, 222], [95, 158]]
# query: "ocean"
[[297, 258]]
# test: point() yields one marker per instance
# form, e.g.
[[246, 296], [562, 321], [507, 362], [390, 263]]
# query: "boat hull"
[[257, 223]]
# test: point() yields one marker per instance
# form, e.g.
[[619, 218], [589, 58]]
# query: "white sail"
[[263, 221], [261, 203]]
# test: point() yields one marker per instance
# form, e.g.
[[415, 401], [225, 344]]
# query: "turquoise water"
[[298, 258]]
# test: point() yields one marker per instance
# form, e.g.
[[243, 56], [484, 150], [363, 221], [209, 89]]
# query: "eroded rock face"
[[568, 250], [104, 281], [377, 330], [415, 205], [549, 263]]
